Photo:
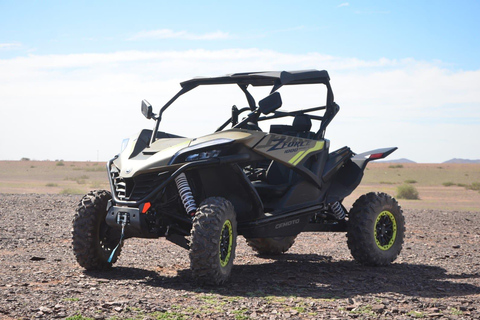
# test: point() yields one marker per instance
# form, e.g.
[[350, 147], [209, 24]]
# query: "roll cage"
[[276, 79]]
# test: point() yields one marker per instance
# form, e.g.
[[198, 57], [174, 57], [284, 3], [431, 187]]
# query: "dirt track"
[[437, 275]]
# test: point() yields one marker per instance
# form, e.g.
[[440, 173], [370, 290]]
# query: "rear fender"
[[363, 159], [349, 176]]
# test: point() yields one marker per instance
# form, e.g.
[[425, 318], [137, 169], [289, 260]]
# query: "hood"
[[130, 161], [137, 158]]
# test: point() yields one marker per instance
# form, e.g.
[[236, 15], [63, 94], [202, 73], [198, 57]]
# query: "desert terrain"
[[437, 275]]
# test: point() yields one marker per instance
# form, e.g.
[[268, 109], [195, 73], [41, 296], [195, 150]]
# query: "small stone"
[[34, 258], [45, 310], [378, 308], [456, 246]]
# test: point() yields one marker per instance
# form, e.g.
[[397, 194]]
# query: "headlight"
[[203, 155], [200, 151], [124, 145]]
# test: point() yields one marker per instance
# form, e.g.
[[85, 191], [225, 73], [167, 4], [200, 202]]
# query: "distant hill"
[[455, 160], [402, 160]]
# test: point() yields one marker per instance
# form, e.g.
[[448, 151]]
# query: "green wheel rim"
[[385, 230], [226, 243]]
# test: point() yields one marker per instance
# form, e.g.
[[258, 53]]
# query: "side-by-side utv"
[[200, 193]]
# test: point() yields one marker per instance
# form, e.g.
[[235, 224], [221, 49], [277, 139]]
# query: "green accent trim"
[[392, 219], [302, 154], [295, 157], [227, 225]]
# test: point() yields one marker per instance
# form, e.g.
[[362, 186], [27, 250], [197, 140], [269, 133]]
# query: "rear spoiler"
[[363, 158]]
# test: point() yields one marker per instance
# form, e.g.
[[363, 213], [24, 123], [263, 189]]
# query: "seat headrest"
[[302, 123]]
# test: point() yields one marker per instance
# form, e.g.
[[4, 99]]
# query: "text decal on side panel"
[[287, 149]]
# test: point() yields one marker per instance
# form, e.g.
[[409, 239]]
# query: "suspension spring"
[[337, 210], [186, 194]]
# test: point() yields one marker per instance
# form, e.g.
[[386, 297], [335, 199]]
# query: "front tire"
[[213, 242], [271, 246], [92, 239], [375, 229]]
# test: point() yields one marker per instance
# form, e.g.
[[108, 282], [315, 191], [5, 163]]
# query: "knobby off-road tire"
[[375, 229], [93, 240], [271, 246], [213, 241]]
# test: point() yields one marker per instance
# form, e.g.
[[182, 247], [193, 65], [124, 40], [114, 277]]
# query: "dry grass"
[[440, 186], [50, 177], [424, 174]]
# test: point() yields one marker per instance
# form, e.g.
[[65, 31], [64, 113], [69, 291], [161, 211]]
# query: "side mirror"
[[147, 109], [270, 103]]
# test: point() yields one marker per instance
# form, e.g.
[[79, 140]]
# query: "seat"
[[277, 181], [279, 177], [302, 123]]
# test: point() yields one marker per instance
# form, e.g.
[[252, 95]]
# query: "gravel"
[[436, 276]]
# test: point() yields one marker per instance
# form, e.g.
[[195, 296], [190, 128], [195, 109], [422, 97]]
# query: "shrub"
[[97, 168], [474, 186], [407, 191], [25, 159], [410, 181], [448, 184], [60, 163], [71, 191], [51, 184], [396, 166]]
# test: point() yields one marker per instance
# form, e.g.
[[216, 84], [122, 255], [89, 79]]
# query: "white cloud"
[[12, 45], [182, 35], [345, 4], [70, 106]]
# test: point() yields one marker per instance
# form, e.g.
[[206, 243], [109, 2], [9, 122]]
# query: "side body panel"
[[288, 150]]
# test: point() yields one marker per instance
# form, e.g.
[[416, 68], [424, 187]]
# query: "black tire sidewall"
[[205, 242], [361, 229], [271, 246], [88, 222]]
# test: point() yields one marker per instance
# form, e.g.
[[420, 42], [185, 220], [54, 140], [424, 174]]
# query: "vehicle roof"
[[266, 78]]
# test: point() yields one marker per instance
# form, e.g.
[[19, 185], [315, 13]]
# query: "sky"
[[73, 73]]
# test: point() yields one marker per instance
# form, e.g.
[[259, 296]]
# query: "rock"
[[378, 308], [45, 310], [35, 258]]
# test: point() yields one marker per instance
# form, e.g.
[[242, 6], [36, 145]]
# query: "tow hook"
[[123, 218]]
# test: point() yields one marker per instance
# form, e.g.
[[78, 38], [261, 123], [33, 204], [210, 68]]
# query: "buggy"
[[202, 193]]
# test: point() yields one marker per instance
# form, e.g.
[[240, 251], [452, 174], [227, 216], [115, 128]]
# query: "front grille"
[[145, 183], [120, 185], [138, 187]]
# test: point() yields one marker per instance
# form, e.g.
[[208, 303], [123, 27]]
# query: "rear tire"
[[92, 239], [213, 243], [375, 229], [271, 246]]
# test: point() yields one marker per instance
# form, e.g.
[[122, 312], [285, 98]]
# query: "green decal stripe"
[[295, 157], [301, 155]]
